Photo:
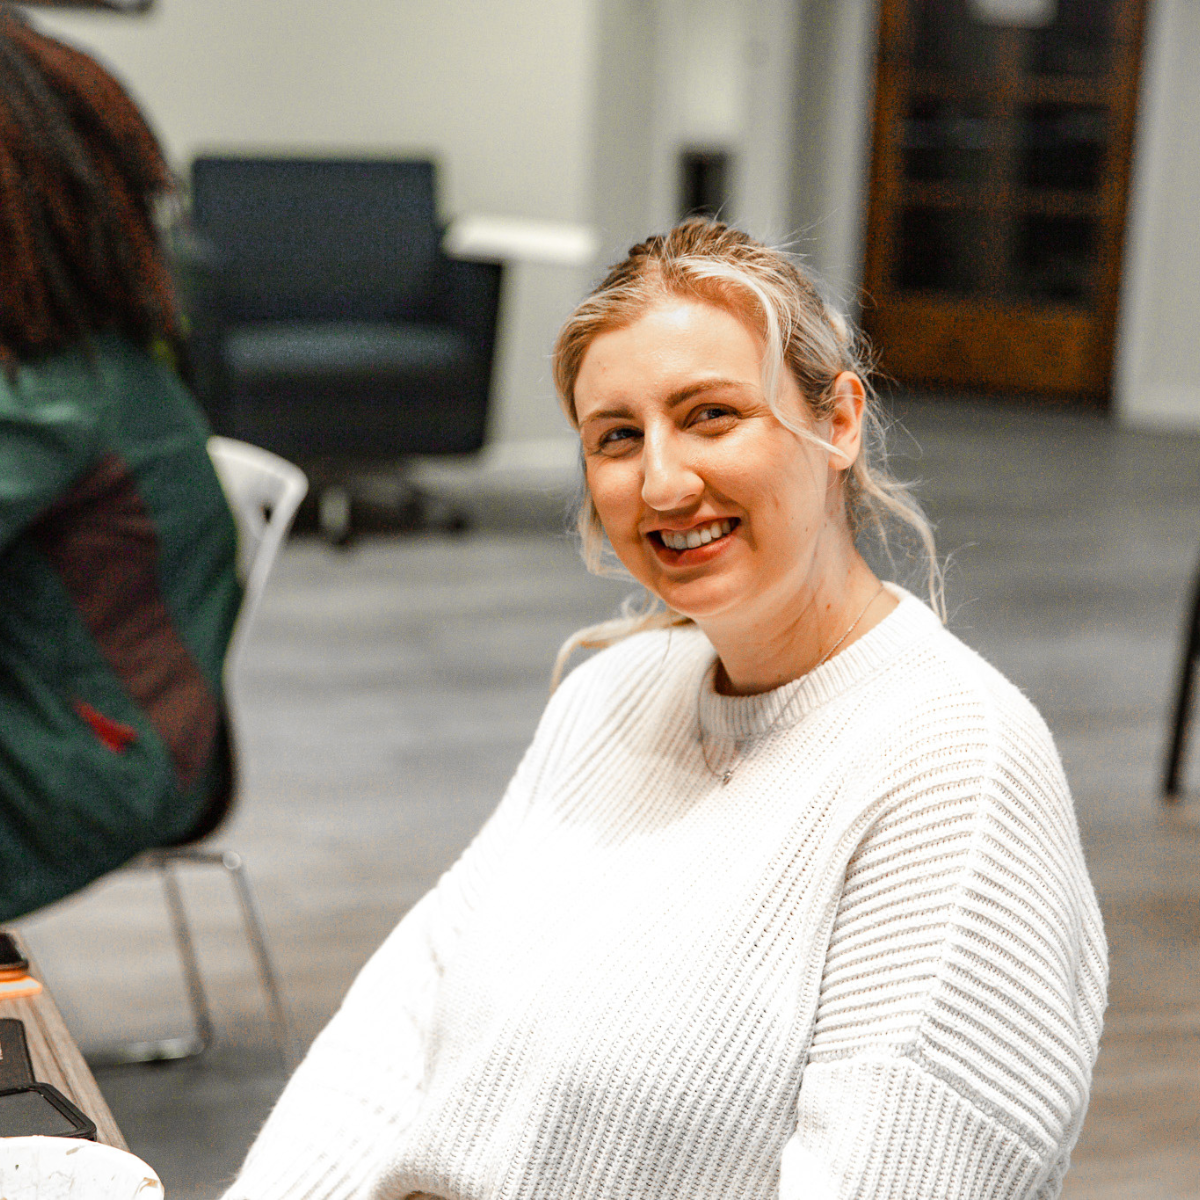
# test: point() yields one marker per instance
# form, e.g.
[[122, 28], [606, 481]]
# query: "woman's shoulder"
[[960, 756], [939, 668], [926, 694], [635, 690], [940, 709], [646, 671], [92, 383], [629, 665]]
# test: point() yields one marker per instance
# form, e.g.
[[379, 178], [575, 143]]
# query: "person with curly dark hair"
[[118, 589]]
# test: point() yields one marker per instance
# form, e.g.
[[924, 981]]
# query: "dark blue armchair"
[[327, 324]]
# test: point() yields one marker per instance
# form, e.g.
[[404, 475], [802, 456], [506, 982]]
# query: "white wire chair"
[[264, 491]]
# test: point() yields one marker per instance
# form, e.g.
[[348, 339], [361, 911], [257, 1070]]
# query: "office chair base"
[[334, 515], [390, 500]]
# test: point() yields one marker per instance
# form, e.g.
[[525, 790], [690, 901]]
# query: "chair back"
[[319, 239], [264, 491]]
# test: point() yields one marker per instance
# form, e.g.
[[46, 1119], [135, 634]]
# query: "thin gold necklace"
[[742, 750]]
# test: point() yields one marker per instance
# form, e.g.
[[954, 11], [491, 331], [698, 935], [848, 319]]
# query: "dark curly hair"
[[80, 172]]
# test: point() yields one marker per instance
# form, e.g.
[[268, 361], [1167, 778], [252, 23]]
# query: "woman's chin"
[[701, 600], [700, 591]]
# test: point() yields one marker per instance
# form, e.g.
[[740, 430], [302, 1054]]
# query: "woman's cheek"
[[613, 492]]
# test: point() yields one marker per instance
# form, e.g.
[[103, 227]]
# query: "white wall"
[[502, 94], [671, 64], [501, 90], [699, 92], [833, 127], [712, 75], [763, 203], [1158, 360], [625, 114], [787, 86]]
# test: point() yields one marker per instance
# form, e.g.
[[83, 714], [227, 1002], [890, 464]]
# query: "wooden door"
[[999, 177]]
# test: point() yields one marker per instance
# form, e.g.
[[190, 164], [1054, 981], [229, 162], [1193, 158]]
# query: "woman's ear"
[[845, 421]]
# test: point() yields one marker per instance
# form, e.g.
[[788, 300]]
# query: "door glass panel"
[[939, 249], [1054, 257], [946, 141], [998, 187], [1078, 43], [1063, 146], [952, 35], [948, 37]]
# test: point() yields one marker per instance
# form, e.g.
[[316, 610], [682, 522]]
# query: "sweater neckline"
[[742, 717]]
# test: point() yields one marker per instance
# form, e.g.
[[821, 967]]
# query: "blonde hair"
[[707, 260]]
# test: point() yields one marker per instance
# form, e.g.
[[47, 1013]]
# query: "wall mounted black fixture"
[[121, 6]]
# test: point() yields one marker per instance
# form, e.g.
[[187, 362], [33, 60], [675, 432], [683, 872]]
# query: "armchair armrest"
[[467, 297], [198, 277]]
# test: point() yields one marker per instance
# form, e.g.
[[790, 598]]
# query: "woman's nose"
[[669, 480]]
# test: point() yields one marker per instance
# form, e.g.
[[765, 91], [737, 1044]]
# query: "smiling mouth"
[[701, 536]]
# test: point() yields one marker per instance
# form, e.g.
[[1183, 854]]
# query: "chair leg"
[[408, 505], [256, 937], [192, 1045], [201, 1013], [1172, 782], [175, 1049]]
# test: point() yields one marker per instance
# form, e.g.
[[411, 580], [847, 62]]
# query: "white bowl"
[[53, 1168]]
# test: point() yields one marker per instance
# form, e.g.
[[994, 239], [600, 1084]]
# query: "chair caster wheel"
[[334, 516]]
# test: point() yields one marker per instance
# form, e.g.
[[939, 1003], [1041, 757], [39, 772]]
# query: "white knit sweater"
[[870, 966]]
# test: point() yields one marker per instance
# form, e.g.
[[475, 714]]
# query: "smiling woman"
[[786, 899], [714, 504], [709, 316]]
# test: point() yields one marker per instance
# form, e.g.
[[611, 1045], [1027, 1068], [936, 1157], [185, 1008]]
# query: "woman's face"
[[707, 498]]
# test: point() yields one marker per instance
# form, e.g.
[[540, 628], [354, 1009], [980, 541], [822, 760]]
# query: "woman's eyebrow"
[[605, 414], [676, 398], [705, 385]]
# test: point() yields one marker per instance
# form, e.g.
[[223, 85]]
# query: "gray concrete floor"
[[389, 691]]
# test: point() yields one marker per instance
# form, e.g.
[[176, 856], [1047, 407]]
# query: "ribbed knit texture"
[[870, 966]]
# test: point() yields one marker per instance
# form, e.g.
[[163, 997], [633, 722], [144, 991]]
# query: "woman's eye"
[[712, 414], [617, 439]]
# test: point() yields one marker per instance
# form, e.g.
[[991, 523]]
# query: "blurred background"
[[1001, 191]]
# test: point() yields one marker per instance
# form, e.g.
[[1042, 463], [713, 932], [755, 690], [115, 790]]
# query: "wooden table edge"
[[56, 1058]]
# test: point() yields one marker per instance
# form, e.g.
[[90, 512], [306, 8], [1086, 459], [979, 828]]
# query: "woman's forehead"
[[671, 345], [679, 328]]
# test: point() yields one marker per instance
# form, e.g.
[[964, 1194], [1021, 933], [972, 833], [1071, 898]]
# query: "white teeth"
[[696, 537]]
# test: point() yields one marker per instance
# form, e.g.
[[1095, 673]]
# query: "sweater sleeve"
[[362, 1081], [963, 989]]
